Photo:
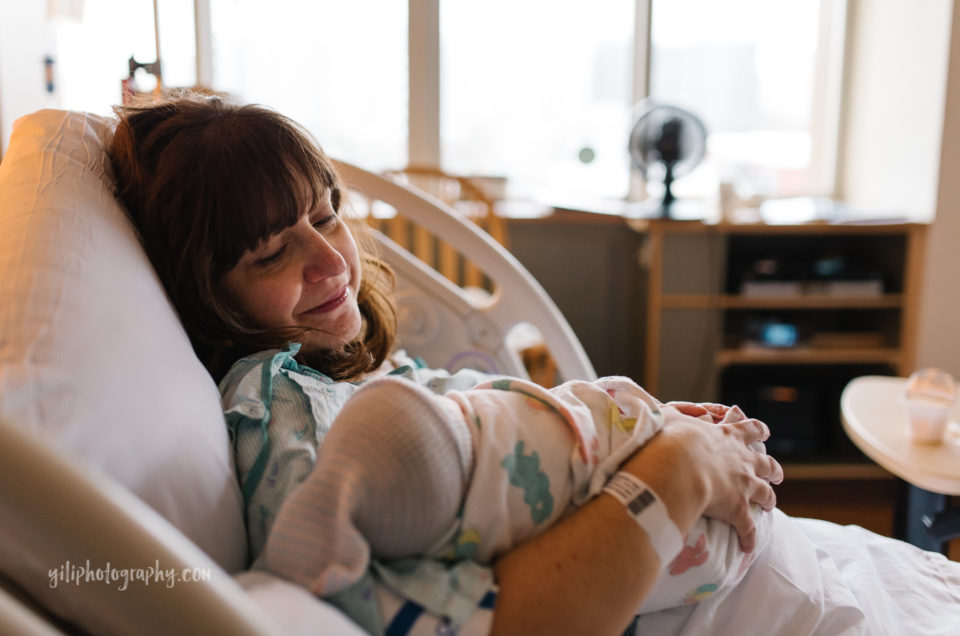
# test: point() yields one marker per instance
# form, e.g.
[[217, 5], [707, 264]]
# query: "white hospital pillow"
[[92, 355]]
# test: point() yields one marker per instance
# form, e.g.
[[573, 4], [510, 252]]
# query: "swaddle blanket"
[[470, 474]]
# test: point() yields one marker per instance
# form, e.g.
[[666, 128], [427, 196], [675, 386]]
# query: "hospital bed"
[[114, 457]]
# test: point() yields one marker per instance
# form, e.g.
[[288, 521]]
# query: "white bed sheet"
[[821, 578], [293, 609], [815, 578]]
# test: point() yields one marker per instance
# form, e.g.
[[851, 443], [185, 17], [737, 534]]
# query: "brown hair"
[[205, 180]]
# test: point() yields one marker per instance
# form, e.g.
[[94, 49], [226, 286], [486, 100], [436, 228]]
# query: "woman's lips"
[[329, 305]]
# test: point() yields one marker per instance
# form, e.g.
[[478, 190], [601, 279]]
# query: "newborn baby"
[[471, 474]]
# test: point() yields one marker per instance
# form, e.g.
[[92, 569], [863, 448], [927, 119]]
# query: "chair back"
[[466, 197]]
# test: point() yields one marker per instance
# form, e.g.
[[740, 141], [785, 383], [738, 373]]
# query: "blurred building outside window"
[[541, 92]]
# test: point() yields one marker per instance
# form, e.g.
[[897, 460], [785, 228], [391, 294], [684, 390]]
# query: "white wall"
[[25, 38], [90, 41], [938, 340], [896, 55]]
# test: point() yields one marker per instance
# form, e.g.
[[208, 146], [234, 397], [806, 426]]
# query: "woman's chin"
[[326, 344], [334, 337]]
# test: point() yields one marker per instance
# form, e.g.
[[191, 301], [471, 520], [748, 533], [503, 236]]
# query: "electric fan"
[[666, 142]]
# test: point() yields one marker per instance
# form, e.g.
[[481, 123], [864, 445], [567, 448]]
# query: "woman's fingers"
[[741, 520], [769, 469], [753, 432], [689, 408], [747, 533], [718, 411], [763, 495], [750, 430]]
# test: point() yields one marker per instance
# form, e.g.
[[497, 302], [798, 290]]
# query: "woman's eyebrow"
[[266, 243]]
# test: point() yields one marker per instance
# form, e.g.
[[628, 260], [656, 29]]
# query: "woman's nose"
[[323, 261]]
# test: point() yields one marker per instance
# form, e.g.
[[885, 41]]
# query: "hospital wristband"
[[649, 512]]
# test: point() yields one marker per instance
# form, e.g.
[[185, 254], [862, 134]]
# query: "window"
[[91, 47], [764, 79], [338, 68], [538, 91], [542, 92]]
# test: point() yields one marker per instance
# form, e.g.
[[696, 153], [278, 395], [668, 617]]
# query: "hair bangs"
[[276, 179]]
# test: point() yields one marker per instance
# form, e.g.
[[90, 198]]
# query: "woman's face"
[[307, 275]]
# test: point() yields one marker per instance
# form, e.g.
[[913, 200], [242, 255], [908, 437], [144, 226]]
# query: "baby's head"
[[210, 186]]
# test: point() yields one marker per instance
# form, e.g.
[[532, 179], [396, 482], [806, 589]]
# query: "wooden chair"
[[463, 194]]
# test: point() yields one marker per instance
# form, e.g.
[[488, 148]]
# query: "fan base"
[[676, 210]]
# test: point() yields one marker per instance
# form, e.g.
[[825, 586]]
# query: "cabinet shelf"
[[847, 303], [806, 301], [811, 471], [808, 355]]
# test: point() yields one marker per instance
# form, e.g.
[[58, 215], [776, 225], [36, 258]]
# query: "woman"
[[241, 214]]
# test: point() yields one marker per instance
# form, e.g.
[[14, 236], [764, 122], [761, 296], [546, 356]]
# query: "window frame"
[[423, 132]]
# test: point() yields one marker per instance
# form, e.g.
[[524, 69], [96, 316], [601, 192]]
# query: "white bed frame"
[[445, 324]]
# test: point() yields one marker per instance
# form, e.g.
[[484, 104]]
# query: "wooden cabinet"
[[777, 318], [587, 263]]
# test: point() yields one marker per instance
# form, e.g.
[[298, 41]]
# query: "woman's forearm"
[[590, 573], [587, 575]]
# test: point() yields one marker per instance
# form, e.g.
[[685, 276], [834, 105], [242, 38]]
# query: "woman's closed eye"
[[326, 222], [271, 258]]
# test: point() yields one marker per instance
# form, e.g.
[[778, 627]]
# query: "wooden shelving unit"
[[834, 471], [799, 355], [698, 346], [732, 301]]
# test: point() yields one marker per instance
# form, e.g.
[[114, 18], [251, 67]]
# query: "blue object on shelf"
[[778, 334]]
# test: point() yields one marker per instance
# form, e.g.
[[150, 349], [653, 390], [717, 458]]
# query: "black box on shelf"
[[838, 266], [800, 405], [788, 409]]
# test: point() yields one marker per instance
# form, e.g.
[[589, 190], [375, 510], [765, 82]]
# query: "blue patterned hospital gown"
[[278, 412]]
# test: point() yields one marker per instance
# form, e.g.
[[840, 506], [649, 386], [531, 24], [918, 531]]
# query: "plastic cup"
[[928, 420], [930, 394]]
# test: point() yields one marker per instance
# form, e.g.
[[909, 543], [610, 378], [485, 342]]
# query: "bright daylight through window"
[[545, 97], [540, 92]]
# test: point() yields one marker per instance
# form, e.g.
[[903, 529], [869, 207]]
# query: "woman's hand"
[[718, 475], [717, 414]]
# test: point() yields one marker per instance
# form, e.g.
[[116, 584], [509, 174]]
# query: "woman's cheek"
[[276, 301]]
